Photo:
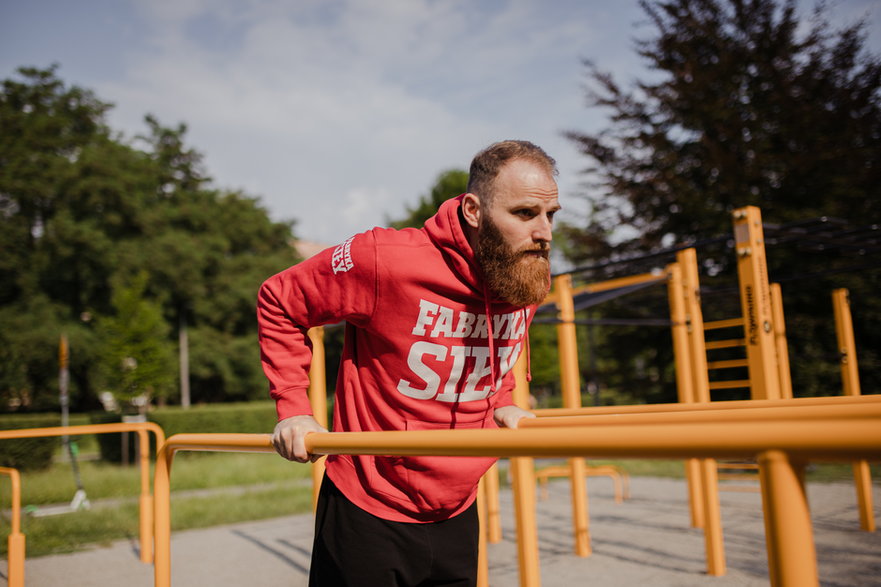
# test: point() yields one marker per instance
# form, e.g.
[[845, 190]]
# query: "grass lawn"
[[211, 489]]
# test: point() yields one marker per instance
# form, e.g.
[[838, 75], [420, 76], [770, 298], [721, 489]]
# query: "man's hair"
[[486, 165]]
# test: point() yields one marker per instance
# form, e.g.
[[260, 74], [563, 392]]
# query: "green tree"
[[746, 104], [448, 184], [82, 208], [137, 358]]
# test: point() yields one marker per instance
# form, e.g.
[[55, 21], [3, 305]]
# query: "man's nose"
[[543, 229]]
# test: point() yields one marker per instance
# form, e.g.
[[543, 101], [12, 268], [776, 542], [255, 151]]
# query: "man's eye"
[[524, 213]]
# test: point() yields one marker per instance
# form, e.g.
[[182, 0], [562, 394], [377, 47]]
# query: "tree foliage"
[[746, 103], [448, 184], [83, 208]]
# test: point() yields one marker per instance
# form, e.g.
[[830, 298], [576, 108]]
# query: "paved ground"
[[644, 541]]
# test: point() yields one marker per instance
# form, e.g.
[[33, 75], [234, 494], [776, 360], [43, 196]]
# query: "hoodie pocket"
[[443, 484]]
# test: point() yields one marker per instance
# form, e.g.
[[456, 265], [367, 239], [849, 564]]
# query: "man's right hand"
[[289, 438]]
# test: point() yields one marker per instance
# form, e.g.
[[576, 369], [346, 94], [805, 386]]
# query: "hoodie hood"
[[446, 232]]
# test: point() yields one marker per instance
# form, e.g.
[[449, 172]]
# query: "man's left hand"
[[509, 416]]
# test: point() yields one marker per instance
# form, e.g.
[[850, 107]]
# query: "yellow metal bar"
[[850, 378], [755, 299], [729, 343], [687, 259], [835, 439], [679, 332], [570, 382], [792, 558], [719, 324], [142, 428], [685, 377], [317, 400], [781, 410], [862, 477], [780, 342], [705, 494], [482, 556], [698, 407], [730, 364], [493, 517], [850, 381], [16, 541], [523, 489], [735, 384], [620, 282], [713, 540]]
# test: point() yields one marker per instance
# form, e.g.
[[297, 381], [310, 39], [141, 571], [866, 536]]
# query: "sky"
[[338, 114]]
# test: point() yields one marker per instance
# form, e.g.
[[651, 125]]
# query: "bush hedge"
[[28, 454], [246, 418], [36, 453]]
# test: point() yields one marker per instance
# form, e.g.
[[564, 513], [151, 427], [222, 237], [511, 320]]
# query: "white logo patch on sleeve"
[[342, 257]]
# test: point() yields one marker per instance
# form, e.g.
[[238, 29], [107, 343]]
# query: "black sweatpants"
[[356, 549]]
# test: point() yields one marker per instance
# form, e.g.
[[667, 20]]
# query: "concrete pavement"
[[644, 541]]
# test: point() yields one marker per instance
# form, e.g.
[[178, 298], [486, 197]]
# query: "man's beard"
[[521, 278]]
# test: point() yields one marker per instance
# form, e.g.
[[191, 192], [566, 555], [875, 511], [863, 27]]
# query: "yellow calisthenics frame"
[[17, 555], [16, 540], [782, 441]]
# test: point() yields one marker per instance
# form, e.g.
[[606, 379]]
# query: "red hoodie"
[[416, 356]]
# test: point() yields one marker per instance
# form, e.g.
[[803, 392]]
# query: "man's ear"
[[471, 210]]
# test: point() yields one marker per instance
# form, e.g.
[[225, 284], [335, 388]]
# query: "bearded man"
[[435, 320]]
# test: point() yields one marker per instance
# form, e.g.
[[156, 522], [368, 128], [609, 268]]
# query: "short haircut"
[[486, 165]]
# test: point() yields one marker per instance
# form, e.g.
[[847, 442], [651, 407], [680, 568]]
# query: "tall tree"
[[81, 208], [448, 184], [742, 109], [746, 104]]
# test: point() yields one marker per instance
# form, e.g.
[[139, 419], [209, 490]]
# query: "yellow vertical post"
[[146, 497], [792, 557], [780, 342], [570, 383], [317, 400], [755, 300], [523, 486], [482, 556], [707, 488], [684, 379], [493, 519], [16, 541], [850, 380]]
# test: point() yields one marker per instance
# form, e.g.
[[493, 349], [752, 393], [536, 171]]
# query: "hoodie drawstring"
[[492, 344]]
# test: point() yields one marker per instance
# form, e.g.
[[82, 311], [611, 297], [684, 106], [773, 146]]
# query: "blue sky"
[[340, 113]]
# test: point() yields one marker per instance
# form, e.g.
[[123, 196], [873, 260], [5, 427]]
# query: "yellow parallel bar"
[[779, 413], [731, 364], [729, 343], [835, 439], [493, 517], [736, 384], [16, 542], [717, 324], [720, 405], [141, 428]]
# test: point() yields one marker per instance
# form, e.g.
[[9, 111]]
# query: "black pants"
[[356, 549]]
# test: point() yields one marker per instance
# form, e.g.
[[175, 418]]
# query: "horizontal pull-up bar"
[[789, 413], [750, 404]]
